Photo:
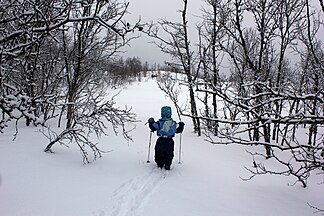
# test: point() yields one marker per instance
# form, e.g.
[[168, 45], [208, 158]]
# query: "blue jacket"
[[166, 128]]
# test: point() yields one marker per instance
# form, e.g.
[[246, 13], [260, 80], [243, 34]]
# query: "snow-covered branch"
[[92, 117]]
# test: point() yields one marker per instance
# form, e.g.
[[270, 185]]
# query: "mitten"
[[181, 124]]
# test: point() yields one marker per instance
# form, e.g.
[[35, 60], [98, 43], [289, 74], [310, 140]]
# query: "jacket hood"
[[166, 112]]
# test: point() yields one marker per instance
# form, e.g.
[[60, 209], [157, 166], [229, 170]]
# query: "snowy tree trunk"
[[214, 62]]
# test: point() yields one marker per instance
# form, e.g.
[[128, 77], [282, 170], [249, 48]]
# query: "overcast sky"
[[152, 10]]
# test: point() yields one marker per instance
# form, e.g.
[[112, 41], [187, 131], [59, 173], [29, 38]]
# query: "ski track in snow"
[[134, 194]]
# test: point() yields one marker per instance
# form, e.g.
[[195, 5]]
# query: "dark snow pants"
[[164, 152]]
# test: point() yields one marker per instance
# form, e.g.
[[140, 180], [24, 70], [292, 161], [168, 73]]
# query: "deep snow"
[[121, 183]]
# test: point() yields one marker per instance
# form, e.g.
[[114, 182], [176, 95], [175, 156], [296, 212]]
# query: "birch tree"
[[211, 31], [178, 46]]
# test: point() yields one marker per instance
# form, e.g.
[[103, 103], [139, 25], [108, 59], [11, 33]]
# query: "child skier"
[[166, 128]]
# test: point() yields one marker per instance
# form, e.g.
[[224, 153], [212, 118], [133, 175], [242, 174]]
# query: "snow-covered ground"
[[121, 183]]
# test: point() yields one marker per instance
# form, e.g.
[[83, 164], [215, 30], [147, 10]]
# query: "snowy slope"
[[207, 183]]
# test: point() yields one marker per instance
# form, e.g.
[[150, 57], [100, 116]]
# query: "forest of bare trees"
[[274, 96], [53, 56], [57, 59]]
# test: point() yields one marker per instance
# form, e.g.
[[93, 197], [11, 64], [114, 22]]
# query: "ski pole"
[[149, 149], [180, 149]]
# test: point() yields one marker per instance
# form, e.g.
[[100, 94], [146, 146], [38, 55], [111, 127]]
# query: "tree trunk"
[[194, 112], [188, 67]]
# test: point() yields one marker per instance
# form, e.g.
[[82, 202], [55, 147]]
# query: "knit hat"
[[166, 112]]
